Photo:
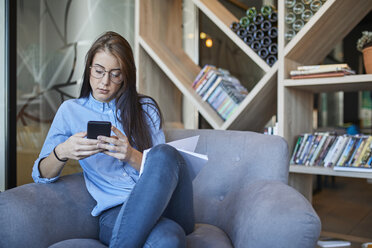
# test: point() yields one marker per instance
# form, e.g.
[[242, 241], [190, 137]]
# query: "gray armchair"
[[241, 200]]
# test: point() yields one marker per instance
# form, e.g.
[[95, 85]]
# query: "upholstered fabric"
[[78, 243], [39, 215], [245, 181], [241, 199], [208, 236]]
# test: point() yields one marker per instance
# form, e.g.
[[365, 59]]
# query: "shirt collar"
[[102, 106]]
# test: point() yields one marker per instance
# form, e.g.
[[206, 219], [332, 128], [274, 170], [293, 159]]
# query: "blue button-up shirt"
[[107, 179]]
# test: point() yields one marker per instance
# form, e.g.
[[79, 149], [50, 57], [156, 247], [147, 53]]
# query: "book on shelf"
[[324, 150], [297, 146], [327, 66], [321, 71], [271, 130], [347, 151], [202, 75], [323, 75], [341, 152], [222, 91], [338, 150], [305, 152], [363, 153], [330, 153], [318, 148], [356, 150]]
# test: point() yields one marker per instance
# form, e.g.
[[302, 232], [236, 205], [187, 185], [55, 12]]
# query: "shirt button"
[[125, 174]]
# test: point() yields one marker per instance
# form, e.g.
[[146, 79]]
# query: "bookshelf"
[[326, 171], [328, 26], [167, 73]]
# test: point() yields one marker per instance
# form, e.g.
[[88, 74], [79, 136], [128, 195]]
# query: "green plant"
[[364, 41]]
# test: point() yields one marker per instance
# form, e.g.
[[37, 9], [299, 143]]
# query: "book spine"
[[219, 99], [201, 80], [339, 151], [345, 154], [295, 150], [363, 152], [352, 151], [366, 155], [314, 67], [297, 161], [214, 95], [317, 71], [327, 144], [231, 112], [210, 78], [311, 150], [212, 87], [318, 149], [358, 151], [228, 110], [331, 151], [198, 77], [306, 149], [208, 75]]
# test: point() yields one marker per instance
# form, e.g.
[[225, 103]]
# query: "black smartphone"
[[96, 128]]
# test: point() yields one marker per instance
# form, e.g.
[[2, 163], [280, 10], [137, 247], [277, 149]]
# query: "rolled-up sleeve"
[[59, 132]]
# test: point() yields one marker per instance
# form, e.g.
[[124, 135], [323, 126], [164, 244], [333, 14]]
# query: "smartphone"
[[96, 128]]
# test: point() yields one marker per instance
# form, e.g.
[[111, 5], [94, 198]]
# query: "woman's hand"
[[78, 147], [118, 147]]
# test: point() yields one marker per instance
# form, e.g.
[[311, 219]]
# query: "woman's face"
[[105, 76]]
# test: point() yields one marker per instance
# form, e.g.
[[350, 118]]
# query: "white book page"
[[188, 144], [186, 147]]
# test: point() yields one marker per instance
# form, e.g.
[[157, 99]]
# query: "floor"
[[344, 206]]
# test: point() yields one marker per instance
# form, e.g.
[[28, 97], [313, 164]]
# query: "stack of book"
[[321, 71], [343, 152], [271, 130], [221, 90]]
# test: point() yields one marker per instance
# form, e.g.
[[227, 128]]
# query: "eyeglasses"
[[99, 72]]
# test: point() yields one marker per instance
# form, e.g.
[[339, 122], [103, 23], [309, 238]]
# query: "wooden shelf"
[[182, 76], [346, 83], [327, 171], [176, 69], [219, 15], [261, 101], [334, 20], [328, 26], [159, 38]]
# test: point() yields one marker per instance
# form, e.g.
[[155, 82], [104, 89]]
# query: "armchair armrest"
[[271, 214], [38, 215]]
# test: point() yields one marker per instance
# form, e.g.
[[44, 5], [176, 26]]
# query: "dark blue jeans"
[[159, 211]]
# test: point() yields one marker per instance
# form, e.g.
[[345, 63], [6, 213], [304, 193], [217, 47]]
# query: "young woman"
[[154, 210]]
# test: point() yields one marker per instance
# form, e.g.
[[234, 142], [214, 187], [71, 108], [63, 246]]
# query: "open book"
[[186, 147]]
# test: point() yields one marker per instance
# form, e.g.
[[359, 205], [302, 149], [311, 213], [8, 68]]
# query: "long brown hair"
[[128, 101]]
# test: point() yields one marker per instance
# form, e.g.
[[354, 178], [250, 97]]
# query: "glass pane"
[[52, 40]]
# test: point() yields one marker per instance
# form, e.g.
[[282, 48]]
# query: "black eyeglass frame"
[[109, 73]]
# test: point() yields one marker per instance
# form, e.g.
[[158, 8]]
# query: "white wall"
[[3, 99]]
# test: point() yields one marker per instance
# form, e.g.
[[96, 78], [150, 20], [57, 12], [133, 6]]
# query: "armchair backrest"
[[236, 159]]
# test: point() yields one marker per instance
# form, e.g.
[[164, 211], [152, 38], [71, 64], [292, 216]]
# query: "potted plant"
[[364, 45]]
